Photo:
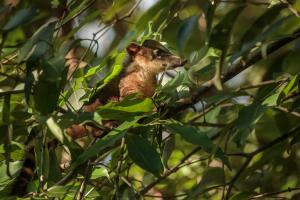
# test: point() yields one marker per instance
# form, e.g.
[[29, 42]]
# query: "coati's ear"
[[133, 48]]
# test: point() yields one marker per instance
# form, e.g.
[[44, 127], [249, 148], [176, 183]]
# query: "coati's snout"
[[154, 57], [173, 61]]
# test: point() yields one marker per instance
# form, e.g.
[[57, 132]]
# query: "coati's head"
[[152, 57]]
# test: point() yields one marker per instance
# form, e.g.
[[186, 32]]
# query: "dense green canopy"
[[224, 126]]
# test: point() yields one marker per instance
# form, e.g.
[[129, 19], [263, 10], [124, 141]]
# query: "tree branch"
[[250, 156], [269, 194], [11, 92], [234, 69]]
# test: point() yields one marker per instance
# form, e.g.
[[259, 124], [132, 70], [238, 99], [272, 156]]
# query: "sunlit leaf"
[[292, 86], [56, 130], [109, 140], [272, 100], [128, 107], [116, 69], [60, 191], [99, 172]]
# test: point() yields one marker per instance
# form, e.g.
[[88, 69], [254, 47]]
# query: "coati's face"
[[153, 57]]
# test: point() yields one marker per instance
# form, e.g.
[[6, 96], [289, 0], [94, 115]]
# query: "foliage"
[[226, 126]]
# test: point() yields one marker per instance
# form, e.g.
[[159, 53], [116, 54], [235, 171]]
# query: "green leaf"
[[77, 9], [205, 73], [21, 17], [181, 79], [126, 108], [46, 162], [152, 14], [220, 36], [246, 121], [39, 43], [116, 7], [14, 168], [142, 152], [62, 191], [109, 140], [54, 169], [93, 70], [99, 173], [272, 100], [115, 71], [168, 149], [56, 130], [292, 85], [185, 32], [195, 136], [261, 22], [272, 29], [52, 79]]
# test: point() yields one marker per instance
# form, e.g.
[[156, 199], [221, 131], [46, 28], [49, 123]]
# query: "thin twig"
[[290, 7], [118, 169], [283, 109], [277, 141], [261, 84], [166, 196], [169, 172], [290, 96], [87, 172], [246, 2], [77, 14], [210, 124], [250, 156], [269, 194], [236, 176]]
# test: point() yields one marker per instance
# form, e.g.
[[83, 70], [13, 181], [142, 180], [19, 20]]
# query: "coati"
[[144, 63]]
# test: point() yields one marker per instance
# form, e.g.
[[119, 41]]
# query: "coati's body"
[[139, 76], [142, 66]]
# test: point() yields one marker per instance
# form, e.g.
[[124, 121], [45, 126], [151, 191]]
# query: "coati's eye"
[[158, 52]]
